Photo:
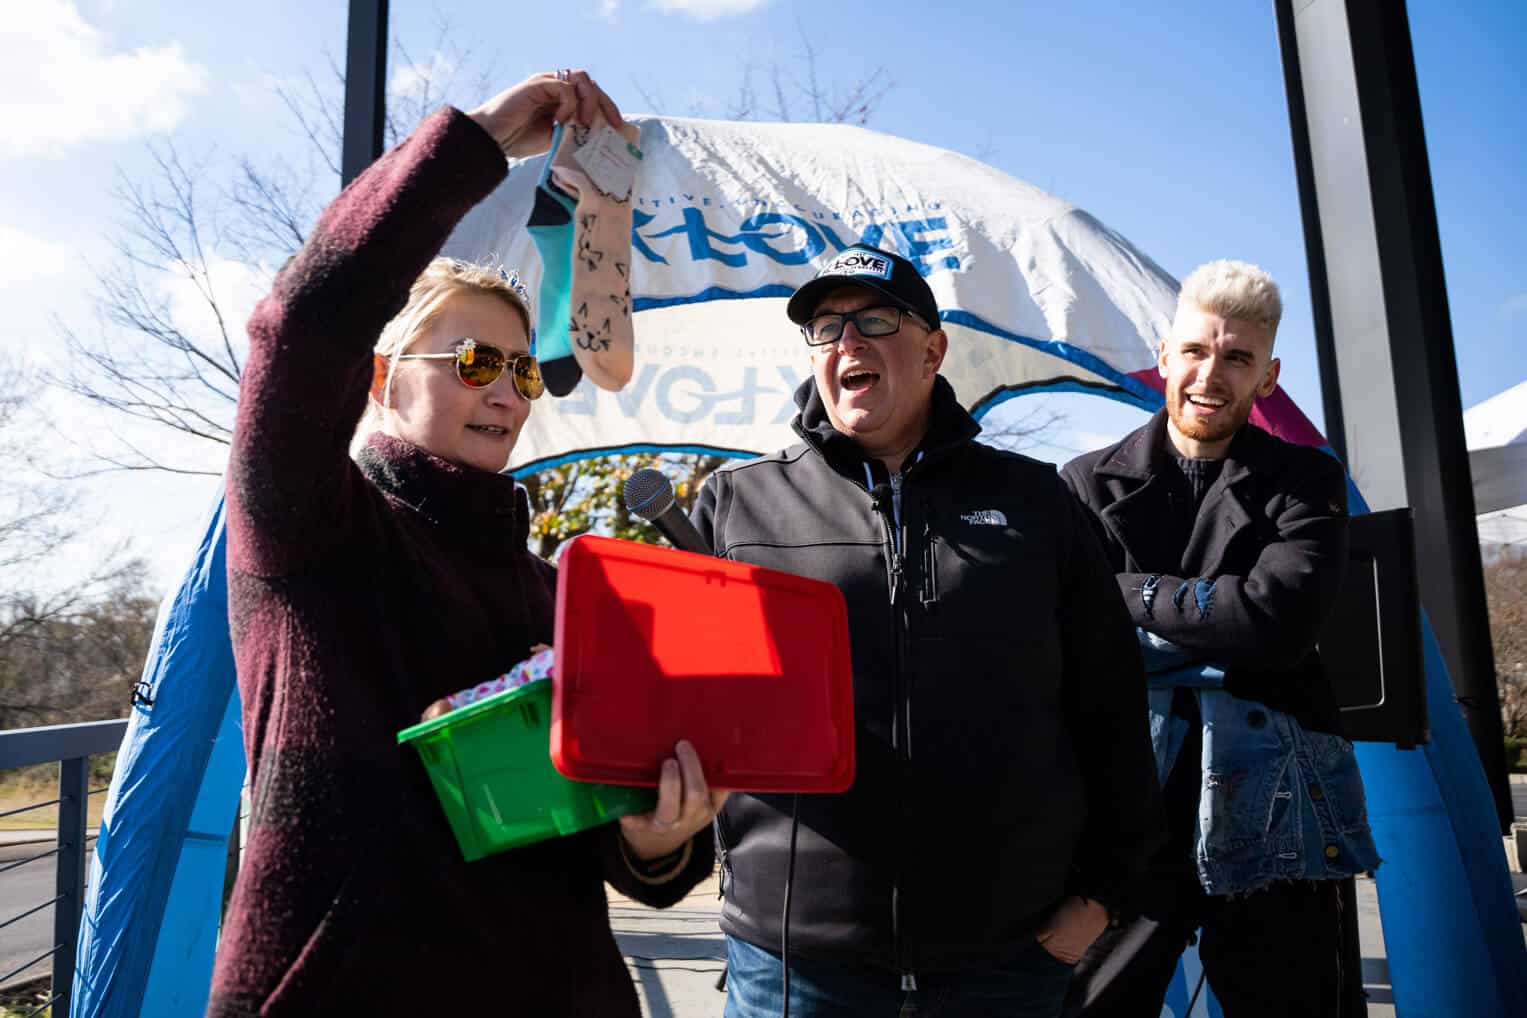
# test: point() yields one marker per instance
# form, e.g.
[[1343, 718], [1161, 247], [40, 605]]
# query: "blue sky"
[[1166, 121]]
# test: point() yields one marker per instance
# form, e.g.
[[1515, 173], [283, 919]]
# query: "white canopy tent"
[[731, 217], [1495, 431]]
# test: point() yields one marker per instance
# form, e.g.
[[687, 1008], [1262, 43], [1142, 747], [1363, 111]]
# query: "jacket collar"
[[949, 427], [469, 501], [1143, 453], [1134, 517]]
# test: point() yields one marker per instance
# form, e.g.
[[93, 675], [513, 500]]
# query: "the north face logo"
[[985, 518], [858, 262]]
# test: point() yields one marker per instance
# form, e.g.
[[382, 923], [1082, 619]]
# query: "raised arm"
[[291, 486]]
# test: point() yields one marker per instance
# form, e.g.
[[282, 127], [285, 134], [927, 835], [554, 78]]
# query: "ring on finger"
[[564, 74]]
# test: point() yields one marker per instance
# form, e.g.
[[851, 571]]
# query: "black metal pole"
[[365, 87], [1364, 177], [73, 794]]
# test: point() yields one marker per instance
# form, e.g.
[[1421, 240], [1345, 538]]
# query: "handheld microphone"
[[649, 494]]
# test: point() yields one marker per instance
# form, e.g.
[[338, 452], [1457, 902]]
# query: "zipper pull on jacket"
[[885, 507], [929, 594]]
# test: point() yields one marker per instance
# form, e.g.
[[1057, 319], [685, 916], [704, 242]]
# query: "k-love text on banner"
[[729, 218]]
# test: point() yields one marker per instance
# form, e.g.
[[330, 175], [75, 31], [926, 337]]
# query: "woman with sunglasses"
[[363, 590]]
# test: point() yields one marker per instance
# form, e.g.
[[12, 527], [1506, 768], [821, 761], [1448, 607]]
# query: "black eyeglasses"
[[872, 323], [479, 365]]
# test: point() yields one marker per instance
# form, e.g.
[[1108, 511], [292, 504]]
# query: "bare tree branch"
[[317, 116], [745, 105], [1027, 430], [69, 646], [436, 83], [274, 210], [654, 99], [855, 103], [813, 88], [145, 362], [179, 229]]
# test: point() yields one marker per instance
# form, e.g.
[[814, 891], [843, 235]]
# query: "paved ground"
[[676, 955], [26, 886]]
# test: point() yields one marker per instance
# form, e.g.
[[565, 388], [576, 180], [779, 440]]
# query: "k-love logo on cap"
[[884, 272], [859, 262]]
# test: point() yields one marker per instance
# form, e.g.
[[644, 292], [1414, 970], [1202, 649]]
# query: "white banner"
[[729, 218]]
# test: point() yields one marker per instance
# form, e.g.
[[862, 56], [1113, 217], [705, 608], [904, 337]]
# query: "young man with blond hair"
[[1229, 545]]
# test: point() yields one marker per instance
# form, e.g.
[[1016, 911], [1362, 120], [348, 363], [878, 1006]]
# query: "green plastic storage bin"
[[491, 767]]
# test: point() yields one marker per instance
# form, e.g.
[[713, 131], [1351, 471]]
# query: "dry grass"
[[31, 785], [25, 997]]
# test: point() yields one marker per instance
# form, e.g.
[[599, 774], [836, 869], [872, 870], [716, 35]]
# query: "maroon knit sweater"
[[358, 594]]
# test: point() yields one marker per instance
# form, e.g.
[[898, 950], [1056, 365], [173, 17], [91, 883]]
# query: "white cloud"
[[705, 10], [60, 85], [700, 10], [412, 79], [237, 286], [25, 259]]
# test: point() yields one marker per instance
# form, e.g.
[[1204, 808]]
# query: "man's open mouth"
[[1208, 402], [856, 381], [488, 429]]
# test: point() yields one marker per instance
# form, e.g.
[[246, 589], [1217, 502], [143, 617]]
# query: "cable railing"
[[71, 747]]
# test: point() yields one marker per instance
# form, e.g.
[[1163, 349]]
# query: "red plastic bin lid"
[[750, 665]]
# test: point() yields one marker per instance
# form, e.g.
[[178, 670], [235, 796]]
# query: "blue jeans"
[[1032, 985]]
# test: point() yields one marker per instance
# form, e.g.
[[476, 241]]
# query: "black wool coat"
[[1256, 581]]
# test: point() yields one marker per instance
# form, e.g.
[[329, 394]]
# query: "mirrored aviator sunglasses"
[[479, 365]]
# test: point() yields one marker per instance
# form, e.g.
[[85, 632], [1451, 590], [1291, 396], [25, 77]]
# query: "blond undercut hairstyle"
[[441, 280], [1234, 290]]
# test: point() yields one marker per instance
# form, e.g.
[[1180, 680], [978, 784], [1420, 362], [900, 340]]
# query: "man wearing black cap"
[[1005, 798]]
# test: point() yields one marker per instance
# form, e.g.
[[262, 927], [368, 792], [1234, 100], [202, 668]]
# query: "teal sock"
[[551, 227]]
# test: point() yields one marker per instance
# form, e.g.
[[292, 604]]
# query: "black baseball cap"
[[884, 272]]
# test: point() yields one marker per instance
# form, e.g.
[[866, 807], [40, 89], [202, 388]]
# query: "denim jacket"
[[1277, 802]]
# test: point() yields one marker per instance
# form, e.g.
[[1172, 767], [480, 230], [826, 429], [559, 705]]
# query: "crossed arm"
[[1272, 614]]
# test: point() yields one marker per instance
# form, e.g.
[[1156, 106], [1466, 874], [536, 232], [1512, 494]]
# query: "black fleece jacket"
[[1002, 752]]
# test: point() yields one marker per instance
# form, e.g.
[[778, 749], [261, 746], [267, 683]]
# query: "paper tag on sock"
[[610, 161]]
